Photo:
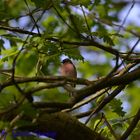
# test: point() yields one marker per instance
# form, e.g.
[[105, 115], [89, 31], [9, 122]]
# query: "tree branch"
[[52, 105], [105, 101], [131, 126], [87, 100], [104, 83], [110, 127], [45, 79], [18, 30], [65, 127], [88, 43]]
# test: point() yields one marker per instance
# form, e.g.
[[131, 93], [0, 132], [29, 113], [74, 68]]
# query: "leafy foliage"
[[116, 106], [35, 35]]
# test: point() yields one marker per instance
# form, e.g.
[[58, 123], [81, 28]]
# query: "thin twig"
[[101, 84], [106, 101], [46, 86], [110, 127], [30, 14], [99, 122], [12, 107], [133, 3], [61, 17], [86, 22], [131, 127], [125, 58], [30, 99], [89, 99]]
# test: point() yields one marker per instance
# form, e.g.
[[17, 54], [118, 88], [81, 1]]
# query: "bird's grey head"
[[67, 61]]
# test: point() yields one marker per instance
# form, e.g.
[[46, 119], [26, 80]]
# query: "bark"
[[65, 127]]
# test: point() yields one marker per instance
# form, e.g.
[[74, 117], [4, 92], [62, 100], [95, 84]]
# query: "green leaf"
[[108, 40], [81, 2], [50, 23], [1, 45], [117, 125], [8, 53], [73, 53], [96, 2], [28, 108], [6, 99], [42, 3], [101, 10], [105, 36], [12, 38], [116, 106]]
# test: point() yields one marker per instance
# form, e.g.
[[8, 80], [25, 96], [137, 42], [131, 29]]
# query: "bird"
[[68, 69]]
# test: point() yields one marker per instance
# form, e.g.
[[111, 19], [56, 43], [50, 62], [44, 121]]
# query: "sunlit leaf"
[[116, 106]]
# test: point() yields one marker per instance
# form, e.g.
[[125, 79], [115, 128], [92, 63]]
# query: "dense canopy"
[[101, 38]]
